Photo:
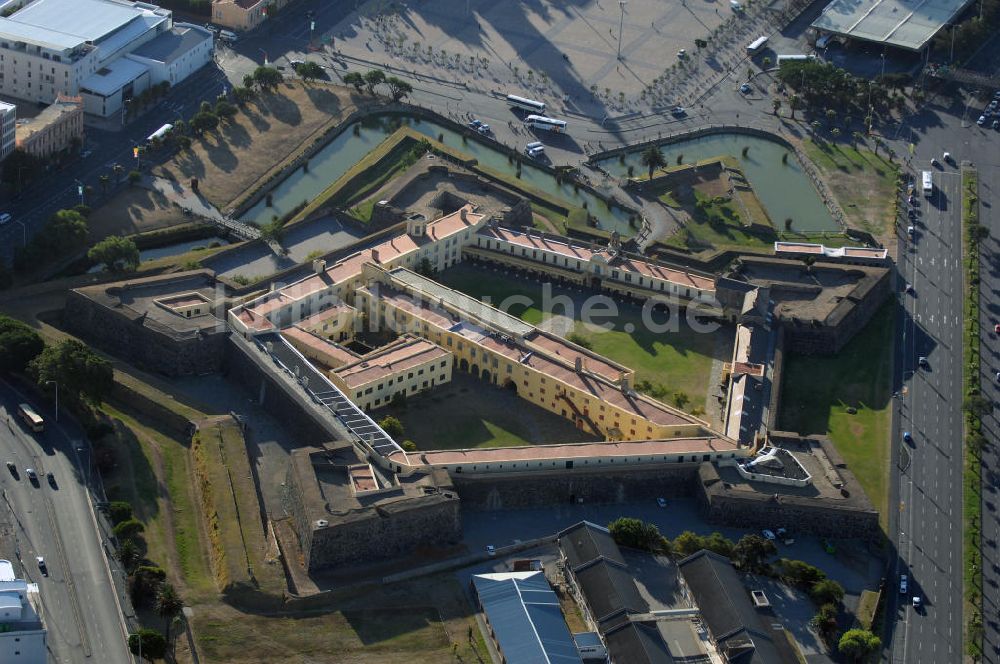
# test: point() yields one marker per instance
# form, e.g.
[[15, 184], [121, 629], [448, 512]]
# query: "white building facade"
[[22, 635], [78, 47], [8, 129]]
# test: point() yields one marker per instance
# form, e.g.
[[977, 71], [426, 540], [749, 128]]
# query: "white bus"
[[160, 133], [794, 58], [548, 124], [526, 104], [757, 44], [31, 418], [928, 181]]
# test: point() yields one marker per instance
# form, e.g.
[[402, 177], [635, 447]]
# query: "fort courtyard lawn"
[[848, 397], [674, 366]]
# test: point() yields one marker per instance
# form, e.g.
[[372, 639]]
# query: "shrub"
[[120, 511], [128, 529]]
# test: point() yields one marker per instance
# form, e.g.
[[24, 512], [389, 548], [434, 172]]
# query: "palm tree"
[[793, 103], [856, 137], [775, 105], [835, 133], [129, 555], [652, 159], [168, 605], [249, 81]]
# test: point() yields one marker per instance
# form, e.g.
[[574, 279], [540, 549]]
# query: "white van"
[[533, 145], [5, 218], [534, 153], [228, 36]]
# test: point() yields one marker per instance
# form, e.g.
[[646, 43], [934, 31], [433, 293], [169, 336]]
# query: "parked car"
[[981, 121], [947, 158], [51, 478], [996, 124], [32, 475], [678, 111], [903, 584], [474, 124], [12, 468], [908, 288], [745, 88], [483, 128], [42, 567], [996, 328], [491, 550], [917, 602], [768, 535], [908, 438], [923, 363]]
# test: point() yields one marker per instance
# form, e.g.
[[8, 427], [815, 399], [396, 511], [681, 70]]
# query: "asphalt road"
[[55, 521]]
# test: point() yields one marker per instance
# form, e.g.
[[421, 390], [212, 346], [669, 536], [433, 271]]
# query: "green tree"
[[373, 79], [134, 177], [356, 79], [799, 573], [20, 168], [775, 105], [168, 605], [392, 426], [409, 446], [204, 121], [398, 88], [184, 143], [79, 371], [225, 110], [652, 158], [116, 253], [309, 71], [977, 405], [858, 644], [19, 345], [636, 534], [146, 582], [267, 78], [242, 94], [827, 591], [129, 555], [825, 621], [794, 103], [249, 82], [119, 510], [128, 529], [147, 643], [752, 551]]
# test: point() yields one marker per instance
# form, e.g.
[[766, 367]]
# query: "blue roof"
[[526, 618]]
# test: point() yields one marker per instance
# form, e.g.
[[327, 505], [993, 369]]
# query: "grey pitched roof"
[[610, 591], [637, 643], [586, 542]]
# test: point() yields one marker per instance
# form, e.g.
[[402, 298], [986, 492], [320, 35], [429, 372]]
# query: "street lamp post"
[[56, 383], [621, 25]]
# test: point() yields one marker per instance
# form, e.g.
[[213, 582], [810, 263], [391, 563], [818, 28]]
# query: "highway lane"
[[80, 607], [930, 489]]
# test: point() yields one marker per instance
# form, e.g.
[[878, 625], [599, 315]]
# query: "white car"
[[910, 230], [917, 603], [30, 472], [947, 157], [768, 535], [491, 550], [903, 584], [42, 566], [981, 121]]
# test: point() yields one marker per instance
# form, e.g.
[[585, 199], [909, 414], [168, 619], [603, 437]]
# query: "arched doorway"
[[509, 384], [463, 365], [486, 375], [475, 370]]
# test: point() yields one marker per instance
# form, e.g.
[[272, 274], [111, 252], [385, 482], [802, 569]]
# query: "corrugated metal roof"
[[173, 44], [526, 618], [90, 20], [113, 76], [908, 24]]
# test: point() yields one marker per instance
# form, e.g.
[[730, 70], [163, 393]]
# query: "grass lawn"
[[154, 474], [863, 183], [426, 621], [134, 210], [489, 417], [716, 225], [857, 377], [679, 360]]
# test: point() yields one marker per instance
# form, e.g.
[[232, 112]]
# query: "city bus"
[[928, 182], [32, 419], [526, 104], [756, 45], [794, 58], [548, 124], [160, 133]]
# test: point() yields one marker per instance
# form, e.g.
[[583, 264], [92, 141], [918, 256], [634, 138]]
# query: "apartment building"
[[8, 128], [53, 130], [244, 15], [22, 634], [81, 47]]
